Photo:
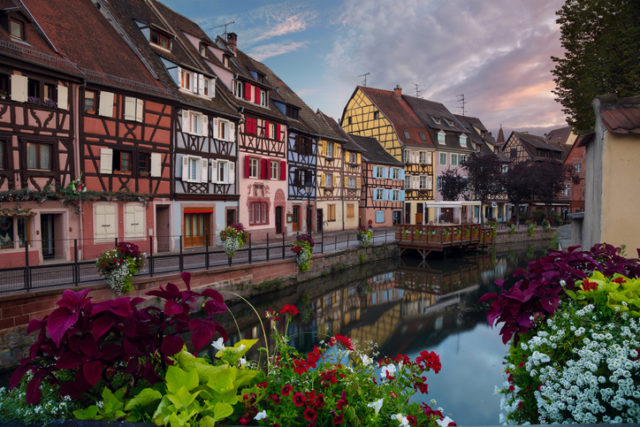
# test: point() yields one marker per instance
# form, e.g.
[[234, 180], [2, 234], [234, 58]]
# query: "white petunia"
[[260, 415], [444, 422], [404, 422], [366, 360], [376, 405], [218, 344]]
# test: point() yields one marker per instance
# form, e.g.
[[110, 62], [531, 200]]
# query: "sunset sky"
[[495, 52]]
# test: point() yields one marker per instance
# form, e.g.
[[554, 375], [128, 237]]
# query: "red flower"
[[394, 395], [430, 360], [289, 309], [589, 286], [313, 357], [319, 401], [296, 249], [619, 280], [300, 367], [298, 399], [511, 388], [421, 384], [286, 390], [338, 419], [262, 385], [244, 421], [412, 420], [521, 365], [345, 341], [310, 414], [340, 404], [275, 398]]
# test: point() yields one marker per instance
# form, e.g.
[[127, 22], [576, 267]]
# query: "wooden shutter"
[[358, 182], [247, 91], [283, 170], [133, 221], [19, 86], [204, 176], [106, 104], [129, 108], [185, 168], [156, 164], [139, 110], [106, 160], [186, 126], [231, 178], [247, 166], [322, 183], [256, 90], [264, 169], [216, 128], [105, 224], [214, 171], [266, 129], [200, 84], [63, 97], [335, 181], [277, 136], [232, 131]]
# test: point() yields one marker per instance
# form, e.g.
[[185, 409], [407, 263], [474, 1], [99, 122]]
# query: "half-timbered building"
[[204, 188], [38, 89], [387, 117], [382, 194], [339, 155], [522, 147], [262, 136]]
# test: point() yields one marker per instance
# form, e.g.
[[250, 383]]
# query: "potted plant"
[[119, 265], [364, 236], [302, 247], [233, 238]]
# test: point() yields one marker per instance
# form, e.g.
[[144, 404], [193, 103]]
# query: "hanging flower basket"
[[364, 236], [302, 247], [119, 265], [233, 238]]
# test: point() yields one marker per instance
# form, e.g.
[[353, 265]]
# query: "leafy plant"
[[364, 236], [302, 247], [119, 265], [85, 346], [233, 238]]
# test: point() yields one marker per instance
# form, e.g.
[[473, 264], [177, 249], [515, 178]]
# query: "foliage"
[[512, 227], [336, 383], [546, 225], [83, 347], [582, 364], [302, 247], [452, 184], [13, 406], [485, 176], [119, 265], [537, 292], [364, 236], [493, 225], [233, 238], [601, 41], [531, 226]]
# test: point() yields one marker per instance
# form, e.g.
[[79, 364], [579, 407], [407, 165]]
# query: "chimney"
[[397, 91], [232, 41]]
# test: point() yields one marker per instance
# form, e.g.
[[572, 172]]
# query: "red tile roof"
[[621, 116]]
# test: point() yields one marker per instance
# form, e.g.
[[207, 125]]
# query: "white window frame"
[[192, 80], [454, 159], [445, 159], [238, 89], [379, 172], [254, 167], [441, 137], [395, 195], [329, 149], [263, 98], [424, 158], [133, 109], [423, 182], [351, 182], [463, 140], [274, 169], [378, 194], [395, 173], [577, 167]]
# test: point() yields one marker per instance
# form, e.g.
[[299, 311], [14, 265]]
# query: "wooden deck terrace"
[[437, 238]]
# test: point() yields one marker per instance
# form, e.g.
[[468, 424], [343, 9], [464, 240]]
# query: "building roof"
[[537, 142], [500, 139], [559, 136], [400, 114], [373, 152], [621, 115], [336, 133], [477, 130]]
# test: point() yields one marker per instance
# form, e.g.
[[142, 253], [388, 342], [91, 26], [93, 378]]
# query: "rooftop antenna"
[[225, 25], [417, 85], [461, 101], [365, 78]]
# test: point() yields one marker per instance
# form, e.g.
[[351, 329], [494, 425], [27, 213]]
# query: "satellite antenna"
[[461, 101], [365, 78], [225, 25], [417, 85]]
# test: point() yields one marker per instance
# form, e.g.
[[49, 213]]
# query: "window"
[[566, 190], [378, 172], [206, 86], [258, 213], [441, 136], [577, 167], [395, 173], [349, 120], [121, 161], [376, 115], [436, 120], [239, 89], [203, 50], [332, 213], [329, 146], [16, 29], [105, 222], [424, 158], [90, 102], [505, 168], [407, 181], [197, 123], [379, 217], [439, 183], [423, 137], [463, 140], [395, 195], [253, 167], [351, 182], [514, 153], [186, 80], [2, 154], [292, 111], [449, 122], [350, 210], [8, 226], [4, 86], [275, 169], [443, 158], [454, 159], [263, 98], [160, 39], [225, 60], [33, 90], [134, 225], [50, 94], [221, 172], [328, 180], [133, 109], [144, 164], [378, 194], [406, 134], [39, 156], [423, 182]]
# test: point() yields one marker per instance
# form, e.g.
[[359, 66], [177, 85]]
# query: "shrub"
[[302, 247], [364, 236], [233, 238], [119, 265]]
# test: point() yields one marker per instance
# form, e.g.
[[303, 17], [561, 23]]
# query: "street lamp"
[[308, 187]]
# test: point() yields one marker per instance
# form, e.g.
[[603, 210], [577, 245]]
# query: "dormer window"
[[225, 61], [422, 136], [441, 136], [239, 89], [203, 50], [436, 120], [463, 140], [186, 80], [376, 115], [449, 122], [16, 28], [160, 39], [292, 111], [263, 98], [406, 134]]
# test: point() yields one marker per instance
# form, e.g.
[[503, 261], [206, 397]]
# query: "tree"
[[485, 178], [519, 186], [452, 184], [601, 39]]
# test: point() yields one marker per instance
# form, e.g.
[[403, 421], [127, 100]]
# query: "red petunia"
[[298, 399], [589, 286], [412, 420], [619, 280], [300, 367], [338, 419], [275, 398], [262, 385], [313, 357], [286, 390], [310, 414], [521, 365], [340, 404], [430, 360], [345, 341], [244, 421], [319, 401], [290, 309]]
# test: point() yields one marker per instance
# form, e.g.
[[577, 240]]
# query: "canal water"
[[406, 307]]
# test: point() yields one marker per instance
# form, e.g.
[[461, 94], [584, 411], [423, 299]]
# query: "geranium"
[[290, 309], [119, 265], [302, 247], [233, 238]]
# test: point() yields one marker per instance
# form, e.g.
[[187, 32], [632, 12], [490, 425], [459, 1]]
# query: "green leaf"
[[207, 422], [182, 398], [244, 376], [222, 410], [164, 409], [144, 398], [177, 378], [87, 413], [222, 378]]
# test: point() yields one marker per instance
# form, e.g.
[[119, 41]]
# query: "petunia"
[[260, 415], [444, 422], [290, 309], [218, 344], [404, 422], [366, 360], [376, 405]]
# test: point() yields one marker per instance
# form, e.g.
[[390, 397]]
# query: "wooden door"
[[278, 219], [196, 228], [295, 220]]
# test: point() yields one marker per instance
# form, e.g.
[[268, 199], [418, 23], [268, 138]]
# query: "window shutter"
[[266, 129], [106, 104], [335, 181], [63, 97], [402, 195], [429, 183], [247, 91], [106, 160], [214, 171], [264, 168], [177, 172], [156, 164], [283, 170], [133, 221], [415, 182], [358, 182], [385, 172], [19, 90], [401, 174], [385, 194], [216, 130], [139, 110], [200, 84], [129, 108], [231, 177], [204, 125], [257, 94], [277, 136], [359, 158], [105, 221], [185, 168], [247, 166], [186, 126], [232, 131], [322, 179]]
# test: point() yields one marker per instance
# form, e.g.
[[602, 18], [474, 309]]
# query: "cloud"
[[260, 53], [497, 53], [291, 24]]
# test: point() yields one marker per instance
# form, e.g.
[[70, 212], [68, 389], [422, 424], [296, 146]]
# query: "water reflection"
[[407, 308]]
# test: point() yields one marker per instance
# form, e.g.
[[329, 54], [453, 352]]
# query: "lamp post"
[[308, 187]]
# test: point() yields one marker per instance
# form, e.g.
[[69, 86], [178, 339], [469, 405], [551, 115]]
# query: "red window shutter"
[[247, 166], [257, 97], [277, 135], [247, 91], [266, 129], [264, 169], [283, 169], [250, 126]]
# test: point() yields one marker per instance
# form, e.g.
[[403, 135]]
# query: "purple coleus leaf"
[[171, 344], [101, 324], [120, 307], [202, 332], [69, 360], [60, 320], [92, 372], [34, 394], [172, 309], [186, 277]]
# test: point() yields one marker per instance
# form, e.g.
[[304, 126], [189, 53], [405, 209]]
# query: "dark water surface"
[[407, 308]]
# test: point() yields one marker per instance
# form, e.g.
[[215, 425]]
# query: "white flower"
[[218, 344], [376, 405], [260, 415], [388, 370], [444, 422], [366, 360], [242, 361], [404, 422]]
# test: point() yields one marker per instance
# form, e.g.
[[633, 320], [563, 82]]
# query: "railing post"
[[151, 256], [181, 258], [116, 242], [206, 252], [322, 243], [347, 240], [283, 243], [267, 246], [76, 267], [250, 251], [335, 242], [27, 284]]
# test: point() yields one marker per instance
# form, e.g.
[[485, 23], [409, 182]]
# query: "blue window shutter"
[[385, 172], [402, 174], [379, 216], [402, 195], [375, 172], [386, 194]]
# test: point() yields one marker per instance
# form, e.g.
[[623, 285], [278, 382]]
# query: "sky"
[[497, 53]]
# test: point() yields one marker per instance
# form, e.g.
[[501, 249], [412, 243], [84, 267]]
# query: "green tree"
[[453, 185], [601, 39], [485, 178]]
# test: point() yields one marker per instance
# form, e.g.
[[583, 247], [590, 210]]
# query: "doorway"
[[295, 219], [231, 217], [407, 213], [278, 219], [162, 229], [47, 230], [196, 228], [419, 217], [309, 218], [319, 220]]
